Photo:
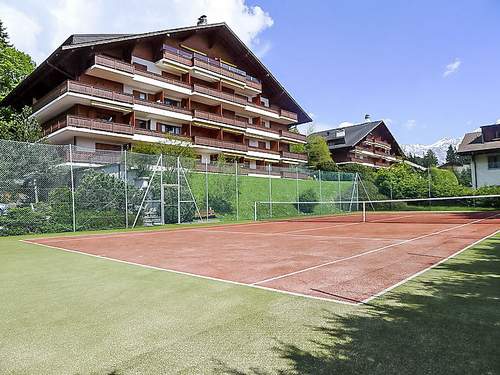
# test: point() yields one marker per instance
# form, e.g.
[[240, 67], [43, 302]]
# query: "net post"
[[236, 187], [364, 211], [178, 190], [162, 192], [320, 193], [125, 186], [72, 186], [206, 187]]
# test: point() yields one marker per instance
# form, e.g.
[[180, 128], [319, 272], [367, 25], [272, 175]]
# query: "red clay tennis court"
[[331, 257]]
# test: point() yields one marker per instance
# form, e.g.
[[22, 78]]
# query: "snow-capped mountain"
[[438, 147]]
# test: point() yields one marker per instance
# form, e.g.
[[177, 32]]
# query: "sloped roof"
[[85, 41], [354, 134], [91, 38], [473, 143]]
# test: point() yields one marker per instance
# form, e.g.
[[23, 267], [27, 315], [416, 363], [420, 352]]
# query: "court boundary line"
[[184, 273], [369, 252], [409, 278]]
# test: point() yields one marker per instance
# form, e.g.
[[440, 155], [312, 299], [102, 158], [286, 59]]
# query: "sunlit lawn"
[[64, 313]]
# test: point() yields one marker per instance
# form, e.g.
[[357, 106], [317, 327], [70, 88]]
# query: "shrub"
[[308, 195]]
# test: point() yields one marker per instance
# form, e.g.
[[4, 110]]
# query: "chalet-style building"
[[200, 84], [483, 147], [370, 144]]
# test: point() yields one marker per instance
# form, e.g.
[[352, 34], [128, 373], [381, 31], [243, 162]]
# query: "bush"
[[29, 220], [401, 181], [307, 196], [444, 183], [488, 202]]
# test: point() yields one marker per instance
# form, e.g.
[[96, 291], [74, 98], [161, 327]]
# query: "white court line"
[[345, 225], [192, 274], [312, 236], [369, 251], [428, 268]]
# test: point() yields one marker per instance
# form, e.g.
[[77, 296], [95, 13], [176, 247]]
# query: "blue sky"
[[340, 59]]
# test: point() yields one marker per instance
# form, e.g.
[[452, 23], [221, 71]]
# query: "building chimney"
[[367, 118], [202, 20]]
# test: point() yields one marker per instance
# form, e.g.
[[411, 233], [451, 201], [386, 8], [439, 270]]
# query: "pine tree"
[[430, 159], [4, 36], [451, 155]]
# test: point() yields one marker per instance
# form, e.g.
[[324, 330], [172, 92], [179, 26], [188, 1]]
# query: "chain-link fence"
[[56, 188]]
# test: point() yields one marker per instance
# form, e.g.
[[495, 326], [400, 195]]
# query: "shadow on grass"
[[446, 322]]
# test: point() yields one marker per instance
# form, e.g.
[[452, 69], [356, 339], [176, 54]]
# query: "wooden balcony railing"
[[293, 155], [160, 105], [253, 83], [219, 94], [292, 135], [202, 115], [288, 114], [114, 64], [82, 88], [203, 141], [87, 123], [177, 55], [263, 128], [266, 150], [215, 66]]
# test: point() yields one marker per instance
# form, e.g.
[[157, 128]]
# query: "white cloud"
[[345, 124], [38, 28], [22, 29], [452, 67], [410, 124], [498, 121]]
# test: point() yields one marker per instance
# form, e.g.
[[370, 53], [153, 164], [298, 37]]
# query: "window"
[[494, 162], [172, 102], [105, 117], [267, 124], [170, 129], [142, 124]]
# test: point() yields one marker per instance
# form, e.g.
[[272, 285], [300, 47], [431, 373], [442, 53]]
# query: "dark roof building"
[[370, 143], [484, 149]]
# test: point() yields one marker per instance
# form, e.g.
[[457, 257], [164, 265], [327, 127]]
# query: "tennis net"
[[446, 210]]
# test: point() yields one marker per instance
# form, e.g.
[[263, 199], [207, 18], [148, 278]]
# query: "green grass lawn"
[[64, 313]]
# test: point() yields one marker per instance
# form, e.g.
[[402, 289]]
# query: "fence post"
[[126, 187], [237, 191], [297, 188], [255, 211], [72, 186], [206, 187], [364, 212], [270, 191], [178, 190], [162, 193]]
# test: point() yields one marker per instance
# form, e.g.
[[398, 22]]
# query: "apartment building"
[[370, 143], [199, 84]]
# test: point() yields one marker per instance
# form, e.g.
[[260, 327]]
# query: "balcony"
[[82, 88], [87, 123], [290, 115], [114, 64], [253, 83], [203, 141], [293, 155], [216, 66], [219, 94], [292, 135], [177, 55], [265, 150], [263, 128], [160, 105], [207, 116]]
